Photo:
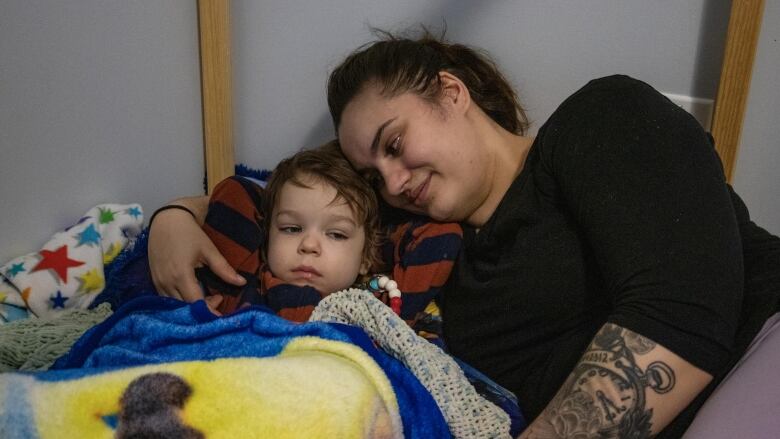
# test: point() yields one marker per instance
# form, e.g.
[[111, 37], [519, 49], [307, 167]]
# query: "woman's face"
[[423, 158]]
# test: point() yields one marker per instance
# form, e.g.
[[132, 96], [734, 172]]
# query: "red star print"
[[58, 261]]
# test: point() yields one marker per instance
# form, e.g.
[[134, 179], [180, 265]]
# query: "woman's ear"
[[454, 92]]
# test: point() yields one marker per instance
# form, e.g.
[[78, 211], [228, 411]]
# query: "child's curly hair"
[[327, 164]]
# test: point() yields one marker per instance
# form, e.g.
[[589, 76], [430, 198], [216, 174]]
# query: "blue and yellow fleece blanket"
[[159, 367]]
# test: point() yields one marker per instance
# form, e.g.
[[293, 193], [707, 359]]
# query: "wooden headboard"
[[216, 89], [216, 84]]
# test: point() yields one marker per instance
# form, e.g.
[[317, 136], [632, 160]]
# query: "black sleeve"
[[648, 194]]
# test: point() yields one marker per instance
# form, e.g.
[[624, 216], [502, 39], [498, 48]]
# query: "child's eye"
[[394, 147], [338, 236], [290, 229]]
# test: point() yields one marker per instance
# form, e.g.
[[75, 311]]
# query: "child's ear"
[[365, 267]]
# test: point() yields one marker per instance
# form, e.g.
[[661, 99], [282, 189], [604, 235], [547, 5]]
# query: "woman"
[[609, 276]]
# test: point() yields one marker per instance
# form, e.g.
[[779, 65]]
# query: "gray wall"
[[99, 102], [757, 176], [284, 51]]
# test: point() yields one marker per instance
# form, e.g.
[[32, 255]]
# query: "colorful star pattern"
[[91, 281], [89, 236], [113, 251], [106, 216], [58, 301], [72, 264], [135, 212], [16, 269], [58, 261]]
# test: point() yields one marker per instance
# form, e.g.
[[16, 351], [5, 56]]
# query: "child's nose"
[[309, 244]]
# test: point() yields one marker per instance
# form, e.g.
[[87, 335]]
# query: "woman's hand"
[[178, 245]]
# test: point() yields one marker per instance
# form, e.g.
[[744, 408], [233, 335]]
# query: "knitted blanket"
[[35, 344], [468, 414], [176, 370]]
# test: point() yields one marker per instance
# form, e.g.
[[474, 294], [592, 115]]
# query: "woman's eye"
[[394, 147], [290, 229]]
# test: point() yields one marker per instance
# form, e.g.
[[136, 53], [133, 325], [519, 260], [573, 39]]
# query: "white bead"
[[395, 292], [383, 280], [391, 285]]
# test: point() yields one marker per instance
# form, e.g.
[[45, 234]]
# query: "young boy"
[[322, 233]]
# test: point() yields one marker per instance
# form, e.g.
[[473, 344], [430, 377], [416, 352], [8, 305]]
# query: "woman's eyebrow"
[[378, 135]]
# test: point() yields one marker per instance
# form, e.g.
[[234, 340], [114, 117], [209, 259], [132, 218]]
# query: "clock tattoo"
[[605, 394]]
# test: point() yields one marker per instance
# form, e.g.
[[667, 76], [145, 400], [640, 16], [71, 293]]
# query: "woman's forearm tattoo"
[[604, 396]]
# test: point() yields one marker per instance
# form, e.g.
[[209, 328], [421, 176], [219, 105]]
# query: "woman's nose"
[[309, 244], [396, 178]]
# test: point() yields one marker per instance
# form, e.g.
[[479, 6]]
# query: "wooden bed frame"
[[216, 84]]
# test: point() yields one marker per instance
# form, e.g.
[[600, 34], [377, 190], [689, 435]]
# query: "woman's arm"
[[625, 385], [198, 205], [646, 190], [178, 245]]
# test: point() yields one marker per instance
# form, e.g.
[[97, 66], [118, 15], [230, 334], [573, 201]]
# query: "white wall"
[[757, 176], [99, 102]]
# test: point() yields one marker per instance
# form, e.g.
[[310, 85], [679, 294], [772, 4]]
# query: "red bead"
[[395, 304]]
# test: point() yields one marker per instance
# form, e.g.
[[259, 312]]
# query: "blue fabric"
[[150, 330], [242, 170], [290, 296], [253, 173], [493, 392], [17, 420], [128, 276]]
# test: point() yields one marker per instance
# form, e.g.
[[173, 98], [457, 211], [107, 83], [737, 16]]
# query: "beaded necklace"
[[380, 283]]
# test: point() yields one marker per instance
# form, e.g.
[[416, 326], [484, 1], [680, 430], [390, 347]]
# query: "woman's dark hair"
[[398, 65]]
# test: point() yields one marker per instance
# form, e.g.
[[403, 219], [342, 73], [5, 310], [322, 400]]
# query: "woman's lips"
[[419, 195]]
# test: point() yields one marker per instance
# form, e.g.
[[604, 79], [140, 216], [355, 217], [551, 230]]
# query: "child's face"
[[314, 240]]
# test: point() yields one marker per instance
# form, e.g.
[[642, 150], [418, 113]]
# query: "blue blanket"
[[161, 331]]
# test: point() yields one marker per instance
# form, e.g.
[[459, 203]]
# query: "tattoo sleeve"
[[605, 395]]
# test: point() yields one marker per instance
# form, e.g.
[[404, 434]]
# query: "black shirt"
[[621, 214]]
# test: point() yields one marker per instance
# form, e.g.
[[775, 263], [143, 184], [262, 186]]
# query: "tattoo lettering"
[[605, 395]]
